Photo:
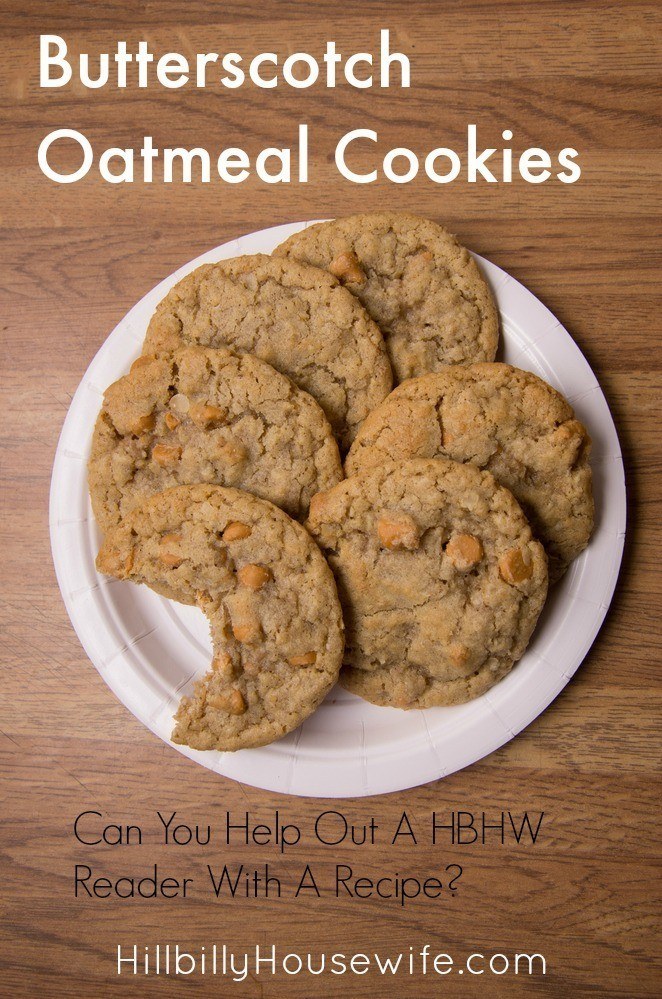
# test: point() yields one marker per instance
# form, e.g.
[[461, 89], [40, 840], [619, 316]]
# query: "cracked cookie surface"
[[204, 415], [297, 318], [269, 596], [422, 288], [505, 420], [439, 576]]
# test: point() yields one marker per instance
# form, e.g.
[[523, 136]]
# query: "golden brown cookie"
[[422, 288], [439, 576], [270, 598], [297, 318], [203, 415], [507, 421]]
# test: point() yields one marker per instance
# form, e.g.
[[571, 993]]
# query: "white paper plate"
[[148, 649]]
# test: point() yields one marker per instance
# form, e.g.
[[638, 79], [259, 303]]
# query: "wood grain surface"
[[76, 258]]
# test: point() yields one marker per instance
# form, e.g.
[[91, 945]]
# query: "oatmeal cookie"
[[423, 289], [296, 317], [507, 421], [270, 598], [439, 577], [204, 415]]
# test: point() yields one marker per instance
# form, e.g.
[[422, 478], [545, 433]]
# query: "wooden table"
[[76, 257]]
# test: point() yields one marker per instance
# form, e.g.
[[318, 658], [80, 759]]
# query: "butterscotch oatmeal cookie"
[[270, 598], [203, 415], [296, 317], [507, 421], [422, 288], [440, 580]]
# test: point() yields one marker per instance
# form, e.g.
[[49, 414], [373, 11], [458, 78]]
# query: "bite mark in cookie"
[[269, 596]]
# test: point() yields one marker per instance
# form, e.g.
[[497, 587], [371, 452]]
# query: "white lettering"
[[48, 59], [341, 148], [45, 145]]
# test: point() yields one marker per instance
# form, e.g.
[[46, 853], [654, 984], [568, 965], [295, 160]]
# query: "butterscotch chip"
[[166, 454], [171, 539], [204, 414], [115, 563], [230, 420], [250, 695], [222, 663], [502, 419], [231, 453], [458, 655], [253, 576], [167, 543], [231, 701], [347, 268], [465, 551], [141, 361], [296, 317], [515, 567], [305, 659], [236, 531], [247, 631], [171, 560], [418, 632], [143, 424], [422, 288], [398, 530]]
